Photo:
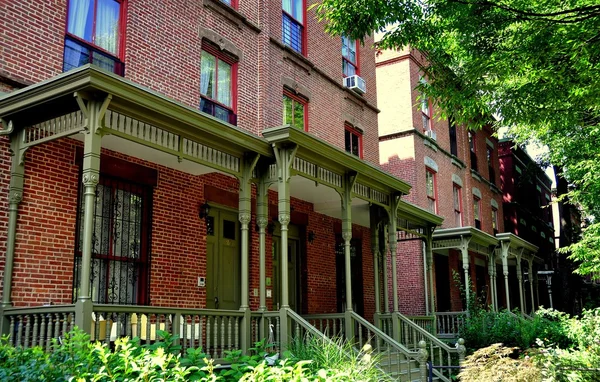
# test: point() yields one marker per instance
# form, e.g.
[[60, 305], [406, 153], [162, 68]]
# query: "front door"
[[223, 260], [293, 268]]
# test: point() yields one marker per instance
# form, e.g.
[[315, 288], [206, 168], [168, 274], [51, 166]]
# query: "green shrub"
[[499, 363]]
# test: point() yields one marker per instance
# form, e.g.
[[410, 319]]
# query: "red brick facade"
[[406, 152], [163, 42]]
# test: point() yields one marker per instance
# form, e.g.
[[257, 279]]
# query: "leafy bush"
[[499, 363], [77, 359]]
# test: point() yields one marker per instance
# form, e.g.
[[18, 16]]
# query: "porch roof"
[[56, 97], [516, 243], [454, 238]]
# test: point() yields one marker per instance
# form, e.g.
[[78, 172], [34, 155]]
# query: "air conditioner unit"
[[431, 134], [356, 83]]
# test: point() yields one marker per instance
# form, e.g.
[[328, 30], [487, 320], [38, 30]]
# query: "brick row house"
[[203, 167], [461, 175]]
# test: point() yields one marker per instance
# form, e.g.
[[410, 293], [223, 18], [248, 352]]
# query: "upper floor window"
[[353, 141], [431, 190], [457, 205], [294, 111], [349, 56], [217, 84], [477, 211], [292, 27], [490, 162], [453, 141], [473, 150], [426, 112], [231, 3], [94, 34], [495, 219]]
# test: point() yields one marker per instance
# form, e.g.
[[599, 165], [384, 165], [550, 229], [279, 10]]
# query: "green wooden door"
[[223, 260]]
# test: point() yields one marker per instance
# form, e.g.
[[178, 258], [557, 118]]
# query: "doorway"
[[223, 260], [293, 268]]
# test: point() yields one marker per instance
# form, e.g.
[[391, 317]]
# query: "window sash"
[[457, 206], [494, 218], [294, 112], [216, 87], [98, 22], [353, 142], [295, 9], [430, 189], [292, 33], [476, 208]]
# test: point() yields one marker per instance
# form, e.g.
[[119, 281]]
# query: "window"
[[431, 190], [294, 111], [453, 142], [477, 211], [457, 205], [490, 162], [473, 150], [94, 35], [292, 29], [349, 56], [495, 220], [426, 112], [217, 84], [120, 243], [231, 3], [353, 141]]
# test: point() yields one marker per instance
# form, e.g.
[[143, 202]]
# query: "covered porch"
[[213, 285]]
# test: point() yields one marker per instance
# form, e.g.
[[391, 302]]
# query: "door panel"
[[223, 261]]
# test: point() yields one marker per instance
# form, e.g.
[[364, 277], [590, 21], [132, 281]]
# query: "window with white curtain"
[[94, 34], [217, 78]]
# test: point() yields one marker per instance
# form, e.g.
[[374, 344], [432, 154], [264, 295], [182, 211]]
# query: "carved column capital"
[[91, 179], [244, 218], [262, 222], [15, 197], [284, 219], [347, 235]]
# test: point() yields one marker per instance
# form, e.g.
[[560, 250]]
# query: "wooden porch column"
[[394, 248], [376, 258], [505, 246], [520, 281], [530, 268], [245, 215], [15, 195], [284, 157], [491, 273], [464, 249], [384, 259], [349, 180], [94, 112], [262, 220], [429, 257]]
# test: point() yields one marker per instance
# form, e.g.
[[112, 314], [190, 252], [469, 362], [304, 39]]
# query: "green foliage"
[[77, 359], [534, 63]]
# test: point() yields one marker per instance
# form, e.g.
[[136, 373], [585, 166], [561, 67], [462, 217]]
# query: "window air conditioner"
[[431, 134], [356, 83]]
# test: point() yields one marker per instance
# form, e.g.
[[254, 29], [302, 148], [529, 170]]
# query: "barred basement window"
[[120, 243]]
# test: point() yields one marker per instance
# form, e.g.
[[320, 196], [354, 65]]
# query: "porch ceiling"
[[55, 97]]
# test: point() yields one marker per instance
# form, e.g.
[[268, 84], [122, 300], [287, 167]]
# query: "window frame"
[[426, 115], [220, 55], [91, 45], [429, 170], [299, 99], [458, 214], [356, 64], [234, 4], [303, 38], [472, 142], [452, 131], [353, 131], [477, 202], [495, 220], [490, 162]]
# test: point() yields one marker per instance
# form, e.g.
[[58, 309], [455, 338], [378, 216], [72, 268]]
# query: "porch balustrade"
[[448, 324]]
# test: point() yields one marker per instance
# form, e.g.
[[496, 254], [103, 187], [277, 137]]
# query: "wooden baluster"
[[34, 339], [42, 330], [65, 322], [229, 333], [57, 326], [296, 331], [201, 324], [27, 331], [222, 337], [148, 317], [49, 335], [216, 335], [184, 332], [208, 336], [237, 332], [19, 329]]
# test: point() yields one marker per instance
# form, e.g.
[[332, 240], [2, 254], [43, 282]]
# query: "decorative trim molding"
[[431, 164], [476, 192], [456, 179], [295, 87], [221, 42]]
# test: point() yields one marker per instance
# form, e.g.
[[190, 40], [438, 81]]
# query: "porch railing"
[[449, 324], [441, 354], [332, 325], [38, 326]]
